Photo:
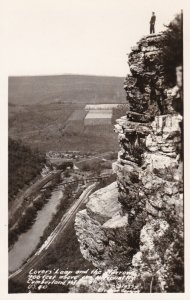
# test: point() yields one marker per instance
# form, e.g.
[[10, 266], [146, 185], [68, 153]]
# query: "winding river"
[[28, 241]]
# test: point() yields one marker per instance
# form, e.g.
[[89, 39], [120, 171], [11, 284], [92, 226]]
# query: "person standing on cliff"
[[152, 23]]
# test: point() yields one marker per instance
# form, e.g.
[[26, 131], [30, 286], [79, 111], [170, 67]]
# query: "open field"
[[48, 112], [59, 127], [51, 128]]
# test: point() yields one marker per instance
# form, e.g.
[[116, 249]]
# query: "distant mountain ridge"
[[30, 90]]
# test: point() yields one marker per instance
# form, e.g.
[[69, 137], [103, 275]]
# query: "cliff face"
[[102, 229], [144, 214]]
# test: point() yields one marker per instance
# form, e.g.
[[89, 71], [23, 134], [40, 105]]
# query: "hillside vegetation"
[[65, 88], [59, 127], [47, 112], [24, 166]]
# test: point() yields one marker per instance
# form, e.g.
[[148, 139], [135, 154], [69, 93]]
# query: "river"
[[28, 241]]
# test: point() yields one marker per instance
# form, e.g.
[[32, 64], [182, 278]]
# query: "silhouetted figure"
[[152, 23]]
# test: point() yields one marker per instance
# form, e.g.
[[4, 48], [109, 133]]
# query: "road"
[[100, 156], [17, 203], [21, 274]]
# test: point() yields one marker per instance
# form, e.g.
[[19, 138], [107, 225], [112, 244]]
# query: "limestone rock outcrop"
[[102, 229], [137, 221], [145, 86], [150, 165]]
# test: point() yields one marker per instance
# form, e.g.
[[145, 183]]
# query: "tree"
[[24, 165], [172, 48]]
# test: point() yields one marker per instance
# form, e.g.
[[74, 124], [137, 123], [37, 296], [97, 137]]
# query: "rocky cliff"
[[136, 223]]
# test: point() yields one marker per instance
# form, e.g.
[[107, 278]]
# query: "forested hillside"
[[24, 165]]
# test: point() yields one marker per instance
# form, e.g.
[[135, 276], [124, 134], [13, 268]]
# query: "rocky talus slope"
[[136, 223]]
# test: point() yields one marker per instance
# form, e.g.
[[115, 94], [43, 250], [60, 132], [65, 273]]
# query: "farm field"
[[48, 112], [59, 127]]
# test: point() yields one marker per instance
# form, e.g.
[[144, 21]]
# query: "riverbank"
[[25, 216]]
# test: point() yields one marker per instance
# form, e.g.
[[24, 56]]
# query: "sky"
[[44, 37]]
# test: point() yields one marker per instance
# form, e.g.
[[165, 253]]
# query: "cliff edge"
[[136, 223]]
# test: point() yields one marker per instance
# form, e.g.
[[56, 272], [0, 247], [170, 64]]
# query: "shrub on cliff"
[[172, 48], [119, 112]]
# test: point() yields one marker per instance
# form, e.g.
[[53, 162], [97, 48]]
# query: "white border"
[[4, 175]]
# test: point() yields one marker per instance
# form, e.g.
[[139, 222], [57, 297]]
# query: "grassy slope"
[[46, 127], [78, 88], [55, 120]]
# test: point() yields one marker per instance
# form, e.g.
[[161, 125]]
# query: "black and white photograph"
[[95, 146]]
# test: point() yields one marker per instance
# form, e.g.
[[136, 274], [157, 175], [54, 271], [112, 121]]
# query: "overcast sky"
[[76, 36]]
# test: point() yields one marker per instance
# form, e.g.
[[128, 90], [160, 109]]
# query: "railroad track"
[[21, 274]]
